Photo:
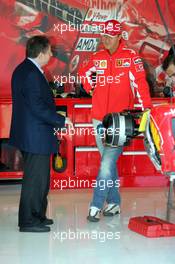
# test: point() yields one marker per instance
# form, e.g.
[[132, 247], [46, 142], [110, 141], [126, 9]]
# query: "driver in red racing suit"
[[120, 79]]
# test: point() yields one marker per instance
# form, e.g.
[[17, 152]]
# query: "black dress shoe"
[[35, 229], [47, 221]]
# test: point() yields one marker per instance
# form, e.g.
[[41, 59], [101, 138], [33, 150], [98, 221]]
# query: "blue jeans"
[[107, 182]]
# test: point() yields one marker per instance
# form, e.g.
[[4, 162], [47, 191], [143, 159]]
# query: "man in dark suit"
[[32, 131]]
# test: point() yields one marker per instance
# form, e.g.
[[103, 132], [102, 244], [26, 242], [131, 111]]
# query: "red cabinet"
[[78, 149]]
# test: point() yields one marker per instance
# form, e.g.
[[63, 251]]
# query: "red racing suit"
[[120, 78]]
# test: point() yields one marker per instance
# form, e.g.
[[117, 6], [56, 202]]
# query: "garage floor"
[[74, 240]]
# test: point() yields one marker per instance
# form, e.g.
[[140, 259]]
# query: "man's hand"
[[69, 123]]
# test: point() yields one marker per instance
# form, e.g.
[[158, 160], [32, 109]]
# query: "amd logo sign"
[[87, 44]]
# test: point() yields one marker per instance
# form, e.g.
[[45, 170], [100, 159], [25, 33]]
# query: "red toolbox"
[[150, 226]]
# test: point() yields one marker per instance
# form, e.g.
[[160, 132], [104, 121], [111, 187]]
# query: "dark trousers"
[[35, 188]]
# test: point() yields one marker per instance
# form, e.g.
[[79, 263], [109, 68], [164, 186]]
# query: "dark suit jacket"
[[33, 114]]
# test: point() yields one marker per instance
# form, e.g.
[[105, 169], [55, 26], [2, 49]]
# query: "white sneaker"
[[94, 214], [111, 209]]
